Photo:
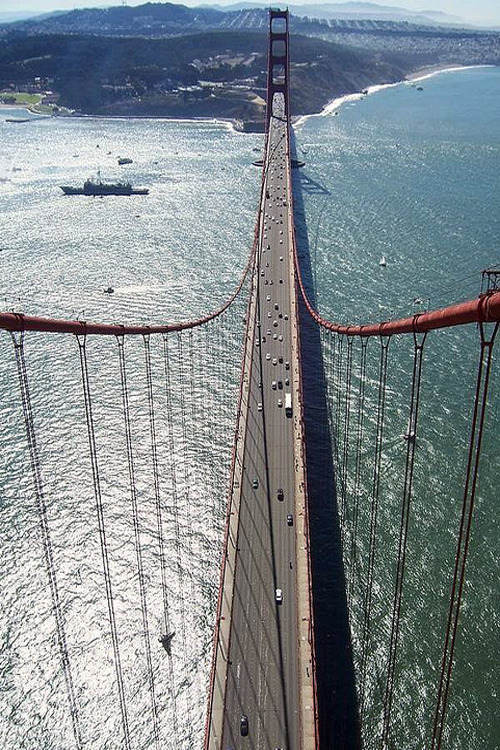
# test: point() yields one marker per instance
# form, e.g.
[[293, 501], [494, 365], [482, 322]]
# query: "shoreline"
[[234, 125], [422, 74]]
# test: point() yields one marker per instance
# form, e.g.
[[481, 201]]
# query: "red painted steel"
[[20, 322], [216, 637], [484, 309], [312, 629]]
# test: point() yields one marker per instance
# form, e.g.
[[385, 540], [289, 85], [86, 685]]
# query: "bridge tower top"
[[277, 60]]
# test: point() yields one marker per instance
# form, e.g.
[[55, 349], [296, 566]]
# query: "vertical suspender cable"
[[418, 349], [187, 494], [175, 510], [345, 453], [357, 469], [331, 341], [18, 342], [159, 525], [338, 379], [137, 537], [477, 429], [382, 382], [102, 535], [185, 460]]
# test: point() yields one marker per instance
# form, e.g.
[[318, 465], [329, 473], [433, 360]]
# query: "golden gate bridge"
[[150, 480]]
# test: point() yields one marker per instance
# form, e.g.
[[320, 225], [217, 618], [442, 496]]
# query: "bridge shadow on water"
[[337, 701]]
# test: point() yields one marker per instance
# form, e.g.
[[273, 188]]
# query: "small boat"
[[17, 119], [124, 160], [382, 262], [109, 290]]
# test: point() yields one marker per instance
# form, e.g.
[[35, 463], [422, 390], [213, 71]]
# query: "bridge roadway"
[[267, 660]]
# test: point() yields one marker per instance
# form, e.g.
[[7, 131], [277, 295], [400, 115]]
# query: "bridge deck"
[[264, 656]]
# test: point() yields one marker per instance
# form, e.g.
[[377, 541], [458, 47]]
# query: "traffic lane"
[[264, 687], [256, 651], [275, 681]]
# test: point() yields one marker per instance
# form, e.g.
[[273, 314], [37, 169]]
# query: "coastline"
[[421, 74], [236, 125]]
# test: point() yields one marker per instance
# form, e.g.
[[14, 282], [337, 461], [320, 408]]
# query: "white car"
[[280, 402], [268, 356], [275, 361], [259, 406], [279, 596]]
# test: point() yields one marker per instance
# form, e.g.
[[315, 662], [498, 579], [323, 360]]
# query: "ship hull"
[[103, 190]]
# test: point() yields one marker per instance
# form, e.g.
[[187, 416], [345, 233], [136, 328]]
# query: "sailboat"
[[382, 261]]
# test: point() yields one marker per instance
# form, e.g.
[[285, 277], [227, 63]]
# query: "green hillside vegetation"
[[215, 73]]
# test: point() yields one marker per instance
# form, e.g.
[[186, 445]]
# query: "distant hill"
[[355, 10], [166, 19], [167, 59]]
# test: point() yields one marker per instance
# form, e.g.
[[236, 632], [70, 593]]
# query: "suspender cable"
[[137, 537], [102, 535], [345, 453], [175, 512], [410, 436], [191, 422], [382, 383], [18, 341], [159, 526], [188, 526], [477, 429], [357, 469], [338, 379], [185, 448]]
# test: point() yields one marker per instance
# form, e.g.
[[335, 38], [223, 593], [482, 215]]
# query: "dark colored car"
[[289, 519], [244, 725], [280, 494]]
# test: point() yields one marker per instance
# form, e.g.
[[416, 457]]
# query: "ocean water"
[[412, 176], [408, 174]]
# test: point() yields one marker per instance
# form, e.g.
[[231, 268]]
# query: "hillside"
[[169, 60]]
